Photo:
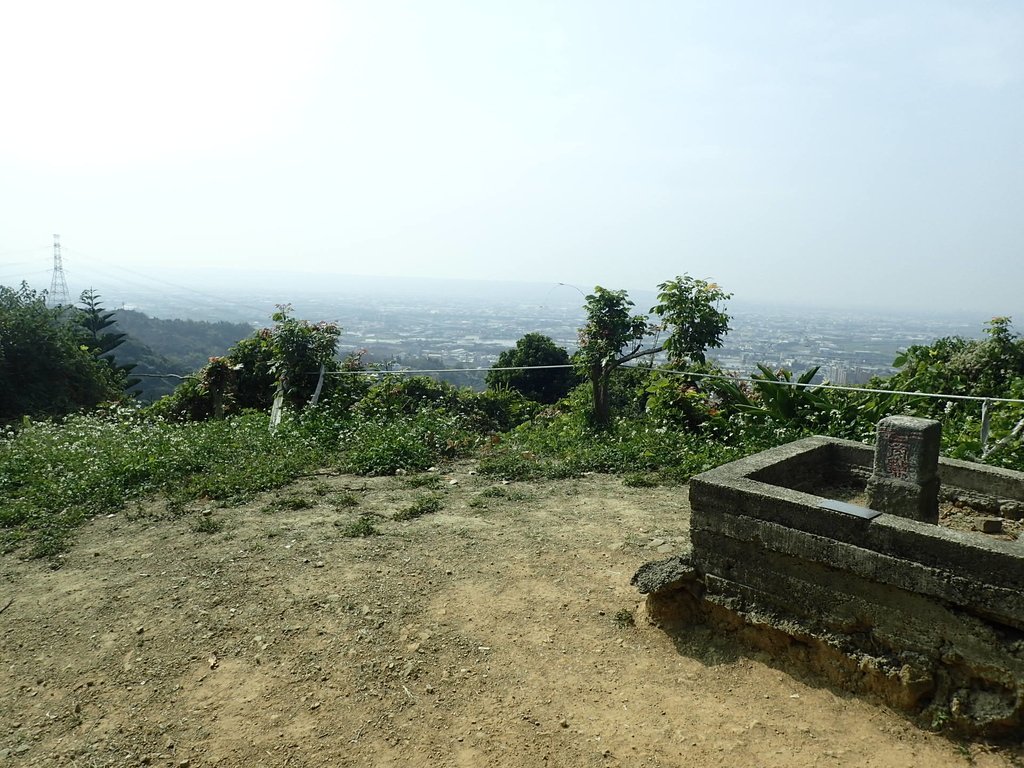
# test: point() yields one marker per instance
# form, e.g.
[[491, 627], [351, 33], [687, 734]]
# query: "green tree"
[[44, 368], [688, 323], [957, 366], [289, 355], [94, 321], [988, 367], [545, 385], [298, 349]]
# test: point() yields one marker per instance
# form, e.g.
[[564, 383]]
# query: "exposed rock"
[[664, 575]]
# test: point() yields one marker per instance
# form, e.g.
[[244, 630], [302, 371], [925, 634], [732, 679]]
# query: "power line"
[[23, 275], [117, 270], [22, 251]]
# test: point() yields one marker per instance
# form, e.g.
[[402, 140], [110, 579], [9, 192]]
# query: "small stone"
[[988, 524], [656, 543], [564, 723], [315, 705], [139, 630], [453, 481], [318, 564], [664, 548], [1012, 510], [184, 763]]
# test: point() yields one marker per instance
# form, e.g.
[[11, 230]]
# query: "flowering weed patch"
[[56, 475]]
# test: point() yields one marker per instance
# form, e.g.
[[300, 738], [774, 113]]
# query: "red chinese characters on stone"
[[897, 456]]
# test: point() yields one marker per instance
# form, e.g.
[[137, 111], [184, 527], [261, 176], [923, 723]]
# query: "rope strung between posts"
[[691, 374], [784, 383], [986, 413]]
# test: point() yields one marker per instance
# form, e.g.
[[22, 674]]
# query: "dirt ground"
[[499, 631]]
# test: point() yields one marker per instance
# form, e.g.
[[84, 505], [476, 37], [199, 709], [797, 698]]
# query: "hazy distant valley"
[[465, 324]]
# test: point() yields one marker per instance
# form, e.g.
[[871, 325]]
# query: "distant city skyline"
[[829, 154]]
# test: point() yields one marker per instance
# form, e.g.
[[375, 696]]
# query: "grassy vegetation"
[[291, 502], [207, 523], [54, 475], [359, 529], [344, 500], [424, 505], [423, 481], [565, 445]]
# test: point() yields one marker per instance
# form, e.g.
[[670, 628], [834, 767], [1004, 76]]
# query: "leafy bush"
[[687, 312], [288, 355], [502, 410], [396, 395], [544, 385], [413, 442], [44, 368]]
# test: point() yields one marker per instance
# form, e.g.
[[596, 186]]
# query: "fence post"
[[985, 419]]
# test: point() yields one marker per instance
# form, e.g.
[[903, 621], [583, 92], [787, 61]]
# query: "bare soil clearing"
[[495, 632]]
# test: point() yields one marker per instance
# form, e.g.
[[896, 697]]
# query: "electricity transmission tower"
[[58, 295]]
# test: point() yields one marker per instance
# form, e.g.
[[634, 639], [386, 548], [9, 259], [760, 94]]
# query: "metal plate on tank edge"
[[849, 509]]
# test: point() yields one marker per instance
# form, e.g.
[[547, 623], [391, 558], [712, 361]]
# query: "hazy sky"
[[830, 152]]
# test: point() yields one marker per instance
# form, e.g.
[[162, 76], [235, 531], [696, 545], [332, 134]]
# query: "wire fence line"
[[690, 374], [844, 388], [986, 402]]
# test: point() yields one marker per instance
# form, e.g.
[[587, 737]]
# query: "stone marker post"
[[905, 477]]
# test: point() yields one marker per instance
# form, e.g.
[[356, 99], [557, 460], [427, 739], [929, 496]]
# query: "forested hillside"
[[158, 346], [185, 344]]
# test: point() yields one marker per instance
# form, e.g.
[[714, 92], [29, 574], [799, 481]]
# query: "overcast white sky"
[[831, 152]]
